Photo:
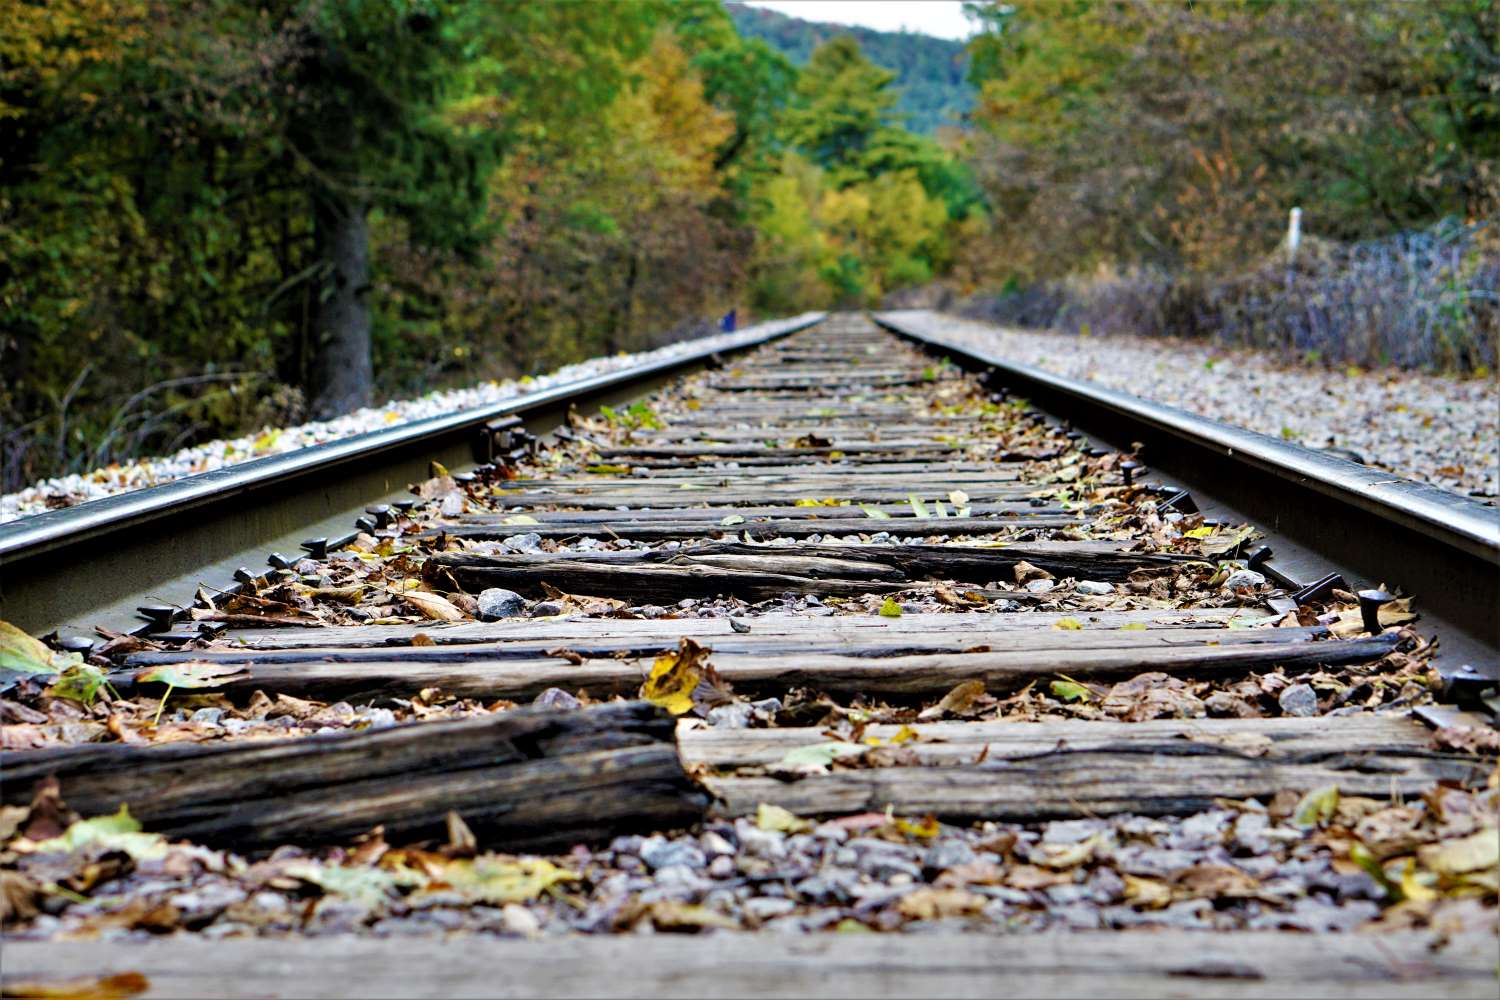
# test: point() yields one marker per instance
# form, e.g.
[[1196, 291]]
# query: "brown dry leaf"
[[437, 486], [1062, 856], [674, 677], [422, 639], [1476, 852], [561, 653], [433, 607], [1153, 696], [112, 987], [671, 915], [956, 701], [1146, 892], [971, 873], [929, 903], [1028, 877], [19, 897], [1215, 881], [1025, 572], [1467, 739]]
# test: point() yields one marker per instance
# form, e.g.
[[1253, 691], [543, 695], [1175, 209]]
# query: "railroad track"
[[839, 636]]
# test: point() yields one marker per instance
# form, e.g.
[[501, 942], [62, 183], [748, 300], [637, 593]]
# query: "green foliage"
[[536, 183], [929, 72]]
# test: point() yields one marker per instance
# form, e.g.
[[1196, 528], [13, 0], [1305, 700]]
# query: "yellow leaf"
[[926, 828], [1133, 627], [775, 818], [1068, 624], [1203, 532], [890, 609], [675, 676]]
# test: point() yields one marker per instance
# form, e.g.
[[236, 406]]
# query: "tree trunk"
[[342, 374]]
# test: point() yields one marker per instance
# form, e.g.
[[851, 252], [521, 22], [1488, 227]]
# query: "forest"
[[221, 214], [932, 76]]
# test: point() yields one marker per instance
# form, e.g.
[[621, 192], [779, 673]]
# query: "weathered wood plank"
[[528, 779], [626, 528], [959, 743], [870, 645], [1143, 768], [757, 572], [1135, 964], [855, 629], [892, 677]]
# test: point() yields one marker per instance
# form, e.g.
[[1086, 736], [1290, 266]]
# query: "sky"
[[943, 18]]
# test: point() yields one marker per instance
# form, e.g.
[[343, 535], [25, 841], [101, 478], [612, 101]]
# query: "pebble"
[[1299, 700], [545, 609], [1041, 586], [1434, 428], [496, 603], [1243, 578], [673, 852], [556, 698], [264, 442], [765, 907], [1093, 588], [529, 542]]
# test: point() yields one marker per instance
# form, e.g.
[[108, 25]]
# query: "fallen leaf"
[[193, 674], [675, 676], [918, 508], [1316, 807], [494, 878], [1146, 892], [875, 513], [1067, 690], [1068, 624], [119, 831], [1025, 572], [80, 682], [777, 819], [890, 609], [959, 699], [433, 607], [820, 755], [1476, 852], [23, 654], [925, 828], [930, 903], [732, 519], [116, 986]]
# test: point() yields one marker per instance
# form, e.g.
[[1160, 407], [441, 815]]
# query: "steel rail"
[[57, 566], [1321, 510]]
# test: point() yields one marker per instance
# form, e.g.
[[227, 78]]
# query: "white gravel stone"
[[1094, 588], [1439, 429], [1243, 578], [134, 475]]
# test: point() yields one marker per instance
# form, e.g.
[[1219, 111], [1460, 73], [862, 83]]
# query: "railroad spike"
[[1370, 603], [317, 548], [1319, 589]]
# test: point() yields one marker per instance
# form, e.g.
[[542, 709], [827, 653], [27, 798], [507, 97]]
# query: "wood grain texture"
[[525, 779], [1144, 964]]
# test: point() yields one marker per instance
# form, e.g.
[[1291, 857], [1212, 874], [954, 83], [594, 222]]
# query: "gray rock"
[[735, 715], [1041, 586], [766, 907], [715, 844], [1299, 700], [946, 854], [545, 609], [1094, 588], [673, 852], [207, 716], [529, 542], [496, 603], [1243, 578], [721, 867], [556, 698]]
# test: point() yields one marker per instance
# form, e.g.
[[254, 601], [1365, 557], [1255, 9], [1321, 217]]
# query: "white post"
[[1293, 234]]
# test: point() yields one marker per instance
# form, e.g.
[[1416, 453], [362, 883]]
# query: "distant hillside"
[[929, 71]]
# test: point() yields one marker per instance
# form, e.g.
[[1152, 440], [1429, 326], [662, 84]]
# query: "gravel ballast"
[[66, 491], [1438, 429]]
